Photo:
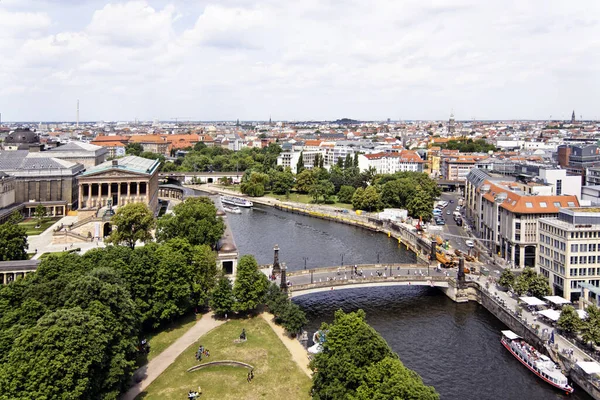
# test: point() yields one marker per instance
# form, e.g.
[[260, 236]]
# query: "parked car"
[[469, 243], [440, 222]]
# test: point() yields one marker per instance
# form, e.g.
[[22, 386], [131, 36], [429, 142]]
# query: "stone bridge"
[[317, 280]]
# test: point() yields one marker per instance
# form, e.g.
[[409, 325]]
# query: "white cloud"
[[300, 60]]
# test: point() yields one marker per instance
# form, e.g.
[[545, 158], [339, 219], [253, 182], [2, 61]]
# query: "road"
[[458, 235]]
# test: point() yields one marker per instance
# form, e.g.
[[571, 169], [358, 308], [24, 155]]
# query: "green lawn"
[[276, 376], [163, 338], [306, 199], [29, 225]]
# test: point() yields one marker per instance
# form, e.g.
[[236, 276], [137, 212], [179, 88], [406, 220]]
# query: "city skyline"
[[304, 61]]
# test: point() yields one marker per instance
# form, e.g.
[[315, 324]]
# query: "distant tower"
[[451, 123], [78, 113], [573, 117], [270, 122]]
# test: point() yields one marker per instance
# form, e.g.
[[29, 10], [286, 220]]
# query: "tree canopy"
[[357, 363], [250, 285], [13, 240], [134, 222], [195, 219]]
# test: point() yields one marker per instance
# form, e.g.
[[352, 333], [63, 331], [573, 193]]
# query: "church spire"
[[573, 117]]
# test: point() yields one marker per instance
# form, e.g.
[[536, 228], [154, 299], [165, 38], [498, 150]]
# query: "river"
[[454, 347]]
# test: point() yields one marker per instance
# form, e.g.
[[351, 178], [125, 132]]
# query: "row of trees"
[[357, 363], [469, 146], [572, 325], [528, 282]]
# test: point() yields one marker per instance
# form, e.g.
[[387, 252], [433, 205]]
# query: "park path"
[[299, 353], [157, 365]]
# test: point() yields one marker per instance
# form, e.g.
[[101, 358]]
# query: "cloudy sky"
[[299, 59]]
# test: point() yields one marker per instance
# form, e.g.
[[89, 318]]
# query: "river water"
[[454, 347]]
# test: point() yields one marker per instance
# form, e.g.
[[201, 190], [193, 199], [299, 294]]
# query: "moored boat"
[[536, 362], [232, 209], [236, 201]]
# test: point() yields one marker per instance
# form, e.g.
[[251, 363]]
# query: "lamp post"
[[311, 276], [377, 257], [305, 260], [342, 259]]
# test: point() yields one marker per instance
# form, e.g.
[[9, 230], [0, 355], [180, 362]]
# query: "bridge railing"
[[431, 280], [348, 269]]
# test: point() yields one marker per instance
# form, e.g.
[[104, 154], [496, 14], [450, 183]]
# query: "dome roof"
[[227, 247]]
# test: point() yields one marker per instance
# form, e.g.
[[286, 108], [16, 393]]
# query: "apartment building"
[[569, 251], [457, 167], [504, 214], [390, 163]]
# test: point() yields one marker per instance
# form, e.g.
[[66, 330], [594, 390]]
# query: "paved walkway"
[[298, 352], [157, 365]]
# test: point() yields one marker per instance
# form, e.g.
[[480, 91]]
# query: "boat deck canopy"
[[510, 335]]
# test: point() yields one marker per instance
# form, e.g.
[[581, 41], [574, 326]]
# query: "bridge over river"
[[317, 280]]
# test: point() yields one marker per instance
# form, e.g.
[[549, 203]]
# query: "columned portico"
[[124, 181]]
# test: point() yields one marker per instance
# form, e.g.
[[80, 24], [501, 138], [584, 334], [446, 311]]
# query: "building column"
[[80, 201], [110, 192], [99, 201]]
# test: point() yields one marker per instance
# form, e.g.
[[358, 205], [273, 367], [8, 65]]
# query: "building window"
[[574, 260], [518, 237], [583, 247], [582, 260], [591, 271], [582, 271], [592, 260], [573, 272], [574, 248], [543, 204], [559, 187], [518, 226], [592, 246], [529, 204]]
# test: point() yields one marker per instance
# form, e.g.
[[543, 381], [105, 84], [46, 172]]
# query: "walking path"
[[157, 365], [299, 353]]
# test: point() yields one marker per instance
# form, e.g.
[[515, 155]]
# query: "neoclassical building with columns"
[[125, 180]]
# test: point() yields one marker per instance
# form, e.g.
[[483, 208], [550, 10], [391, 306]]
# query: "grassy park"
[[162, 339], [276, 376], [31, 223]]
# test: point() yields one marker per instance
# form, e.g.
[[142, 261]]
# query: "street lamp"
[[305, 260], [311, 276], [342, 259], [377, 257]]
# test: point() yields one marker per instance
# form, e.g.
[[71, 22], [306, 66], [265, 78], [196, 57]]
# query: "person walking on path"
[[158, 364]]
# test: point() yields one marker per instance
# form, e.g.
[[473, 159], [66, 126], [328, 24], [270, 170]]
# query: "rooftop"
[[128, 163]]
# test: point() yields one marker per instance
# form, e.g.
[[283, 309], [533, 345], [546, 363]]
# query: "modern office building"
[[569, 251]]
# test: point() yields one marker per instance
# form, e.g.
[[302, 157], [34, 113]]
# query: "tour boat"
[[536, 362], [236, 201], [233, 210]]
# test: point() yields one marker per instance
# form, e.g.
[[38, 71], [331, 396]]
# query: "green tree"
[[304, 181], [282, 181], [300, 164], [276, 300], [13, 239], [250, 285], [221, 298], [357, 198], [255, 183], [390, 379], [40, 214], [590, 329], [349, 361], [195, 219], [420, 205], [134, 149], [293, 318], [133, 223], [321, 189], [569, 320], [539, 287], [507, 278], [345, 194], [62, 356]]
